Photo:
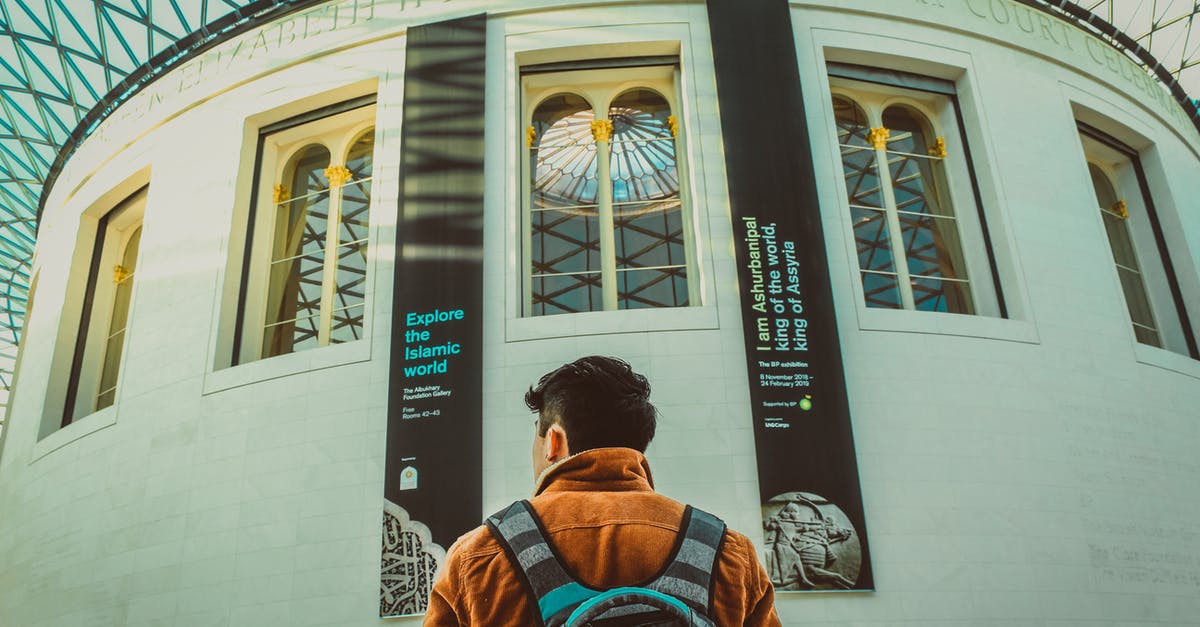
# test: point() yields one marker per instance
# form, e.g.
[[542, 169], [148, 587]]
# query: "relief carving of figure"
[[799, 542]]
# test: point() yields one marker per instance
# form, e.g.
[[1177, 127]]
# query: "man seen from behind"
[[595, 506]]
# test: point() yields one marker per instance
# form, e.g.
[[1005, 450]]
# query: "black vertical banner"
[[813, 517], [433, 488]]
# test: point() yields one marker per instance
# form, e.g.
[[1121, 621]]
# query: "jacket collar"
[[598, 470]]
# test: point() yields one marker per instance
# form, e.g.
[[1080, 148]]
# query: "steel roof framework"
[[66, 64]]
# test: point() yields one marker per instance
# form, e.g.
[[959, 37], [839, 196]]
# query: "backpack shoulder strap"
[[689, 576], [519, 531]]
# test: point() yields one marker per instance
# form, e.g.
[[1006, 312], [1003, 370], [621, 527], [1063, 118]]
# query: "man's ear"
[[557, 447]]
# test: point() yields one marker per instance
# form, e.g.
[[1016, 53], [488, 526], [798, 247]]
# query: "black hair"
[[599, 401]]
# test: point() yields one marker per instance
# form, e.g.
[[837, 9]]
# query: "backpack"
[[681, 594]]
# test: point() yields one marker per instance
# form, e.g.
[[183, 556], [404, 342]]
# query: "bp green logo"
[[806, 402]]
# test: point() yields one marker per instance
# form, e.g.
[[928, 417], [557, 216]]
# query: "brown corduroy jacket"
[[611, 529]]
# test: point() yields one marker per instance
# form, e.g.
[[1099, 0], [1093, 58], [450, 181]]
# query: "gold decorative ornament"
[[337, 175], [602, 130], [281, 193], [120, 273], [673, 123], [938, 149], [878, 137], [1120, 209], [530, 133]]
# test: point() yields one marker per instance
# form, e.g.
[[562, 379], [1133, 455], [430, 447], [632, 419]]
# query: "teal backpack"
[[681, 594]]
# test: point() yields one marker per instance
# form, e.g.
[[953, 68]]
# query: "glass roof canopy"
[[65, 64]]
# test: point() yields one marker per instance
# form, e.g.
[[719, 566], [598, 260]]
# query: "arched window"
[[932, 247], [908, 237], [651, 267], [298, 255], [868, 211], [564, 209], [607, 223], [350, 284], [1114, 213], [115, 342], [104, 321], [1156, 295], [304, 283]]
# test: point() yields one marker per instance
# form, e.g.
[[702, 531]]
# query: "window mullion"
[[893, 219], [608, 240], [329, 270]]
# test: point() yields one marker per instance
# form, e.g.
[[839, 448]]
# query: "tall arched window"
[[607, 224], [1156, 296], [932, 248], [305, 280], [351, 277], [298, 256], [564, 209], [868, 211], [908, 235], [1114, 213], [115, 342], [650, 266], [100, 342]]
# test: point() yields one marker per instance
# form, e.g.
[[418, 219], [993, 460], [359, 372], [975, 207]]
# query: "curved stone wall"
[[1024, 469]]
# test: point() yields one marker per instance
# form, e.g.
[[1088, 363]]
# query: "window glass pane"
[[356, 195], [351, 278], [930, 233], [106, 399], [931, 246], [1103, 187], [566, 293], [872, 240], [1125, 256], [300, 231], [563, 154], [1139, 305], [355, 218], [881, 290], [852, 125], [564, 218], [649, 234], [1119, 240], [295, 292], [300, 226], [1147, 336], [647, 213], [292, 335], [117, 323], [298, 259], [641, 289], [862, 178], [112, 362], [358, 159], [858, 157], [941, 295], [305, 174], [347, 324], [565, 240], [908, 130], [642, 162], [917, 178]]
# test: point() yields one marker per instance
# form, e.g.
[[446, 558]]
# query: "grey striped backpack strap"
[[519, 531], [680, 594], [689, 577]]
